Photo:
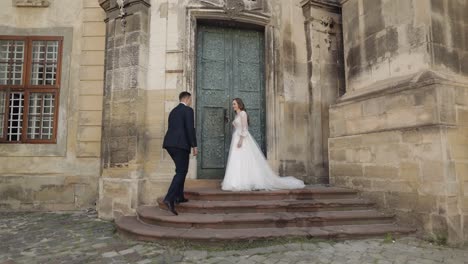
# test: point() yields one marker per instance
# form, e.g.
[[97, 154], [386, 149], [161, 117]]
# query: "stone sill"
[[31, 3]]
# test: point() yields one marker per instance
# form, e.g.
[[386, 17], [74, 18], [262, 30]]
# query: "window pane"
[[34, 127], [47, 127], [44, 63], [15, 116], [11, 62], [41, 116], [2, 112]]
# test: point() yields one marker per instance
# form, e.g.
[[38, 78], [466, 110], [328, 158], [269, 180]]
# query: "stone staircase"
[[214, 215]]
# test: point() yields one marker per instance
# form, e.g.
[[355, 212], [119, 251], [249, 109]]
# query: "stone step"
[[309, 192], [132, 227], [156, 216], [260, 206], [202, 184]]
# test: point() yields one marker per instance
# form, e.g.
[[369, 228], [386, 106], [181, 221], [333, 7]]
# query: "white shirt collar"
[[183, 103]]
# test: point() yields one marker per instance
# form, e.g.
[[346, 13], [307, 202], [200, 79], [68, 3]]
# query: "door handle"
[[226, 117]]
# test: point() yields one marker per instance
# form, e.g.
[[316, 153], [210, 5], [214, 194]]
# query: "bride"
[[247, 168]]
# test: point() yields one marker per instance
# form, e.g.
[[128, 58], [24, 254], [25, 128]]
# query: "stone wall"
[[124, 106], [384, 39], [290, 128], [398, 133], [62, 176], [326, 77], [449, 36]]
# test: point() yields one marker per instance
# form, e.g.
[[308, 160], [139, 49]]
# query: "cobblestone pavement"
[[82, 238]]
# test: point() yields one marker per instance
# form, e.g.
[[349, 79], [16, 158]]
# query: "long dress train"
[[247, 168]]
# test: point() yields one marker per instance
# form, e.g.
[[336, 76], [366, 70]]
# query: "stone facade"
[[62, 176], [136, 169], [366, 94], [398, 133]]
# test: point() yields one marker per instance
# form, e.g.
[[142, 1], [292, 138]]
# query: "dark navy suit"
[[180, 138]]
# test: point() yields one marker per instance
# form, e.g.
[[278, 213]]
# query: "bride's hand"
[[239, 145]]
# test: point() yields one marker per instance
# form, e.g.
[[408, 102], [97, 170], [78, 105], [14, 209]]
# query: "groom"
[[180, 138]]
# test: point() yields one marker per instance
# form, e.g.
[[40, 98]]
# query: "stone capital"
[[111, 7]]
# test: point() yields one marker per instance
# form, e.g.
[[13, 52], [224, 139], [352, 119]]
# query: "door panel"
[[213, 138], [249, 80], [229, 65]]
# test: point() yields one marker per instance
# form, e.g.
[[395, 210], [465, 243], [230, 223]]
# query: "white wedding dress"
[[247, 168]]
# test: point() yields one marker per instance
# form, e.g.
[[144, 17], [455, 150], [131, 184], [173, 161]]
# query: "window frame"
[[27, 88]]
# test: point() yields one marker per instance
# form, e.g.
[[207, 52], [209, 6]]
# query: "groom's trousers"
[[181, 160]]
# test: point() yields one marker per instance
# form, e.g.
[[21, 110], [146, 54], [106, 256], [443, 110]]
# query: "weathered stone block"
[[354, 170], [92, 29], [92, 58], [410, 171], [90, 3], [412, 136], [439, 225], [361, 184], [459, 151], [91, 73], [89, 133], [119, 157], [94, 15], [91, 103], [381, 139], [359, 155], [402, 200], [133, 38], [345, 142], [392, 186], [31, 3], [93, 43], [340, 181], [378, 171], [388, 154], [88, 149], [426, 204], [462, 117], [337, 155], [91, 88], [432, 171], [91, 118], [55, 193]]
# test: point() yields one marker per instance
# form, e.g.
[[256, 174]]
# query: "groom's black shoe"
[[183, 200], [171, 207]]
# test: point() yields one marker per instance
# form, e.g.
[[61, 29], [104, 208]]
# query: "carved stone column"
[[326, 76], [124, 98]]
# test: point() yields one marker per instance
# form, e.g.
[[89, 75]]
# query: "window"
[[29, 88]]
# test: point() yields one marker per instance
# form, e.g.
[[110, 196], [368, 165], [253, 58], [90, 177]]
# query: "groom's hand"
[[195, 151]]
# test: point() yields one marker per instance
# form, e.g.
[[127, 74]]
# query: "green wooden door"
[[229, 65]]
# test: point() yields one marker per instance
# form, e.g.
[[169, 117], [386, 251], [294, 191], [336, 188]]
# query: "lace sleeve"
[[244, 124]]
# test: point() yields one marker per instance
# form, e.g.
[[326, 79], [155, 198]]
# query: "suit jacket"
[[181, 129]]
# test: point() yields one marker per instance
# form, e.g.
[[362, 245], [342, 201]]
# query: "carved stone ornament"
[[117, 9], [31, 3], [235, 7], [123, 14], [327, 22]]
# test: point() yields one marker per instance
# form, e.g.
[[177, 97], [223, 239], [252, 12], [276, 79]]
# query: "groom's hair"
[[184, 95]]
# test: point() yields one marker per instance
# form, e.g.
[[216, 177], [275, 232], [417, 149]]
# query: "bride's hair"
[[241, 106]]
